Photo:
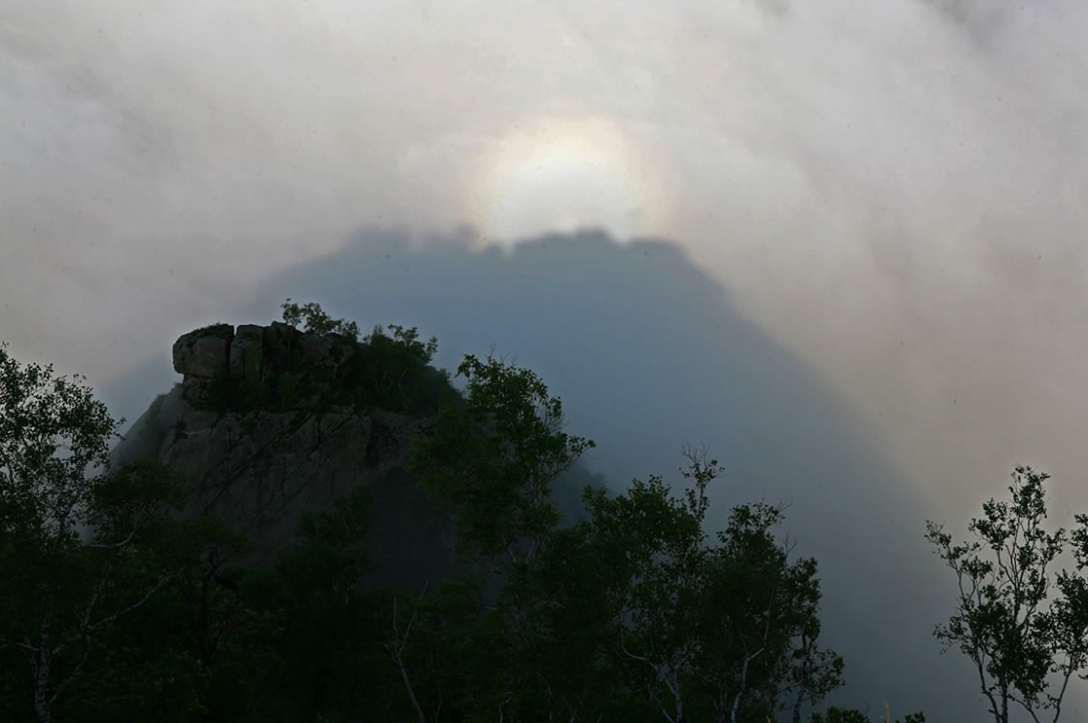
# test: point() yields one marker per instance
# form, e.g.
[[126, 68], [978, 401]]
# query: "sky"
[[893, 195]]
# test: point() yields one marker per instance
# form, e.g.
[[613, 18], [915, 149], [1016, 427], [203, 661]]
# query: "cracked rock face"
[[261, 465], [261, 468], [257, 358]]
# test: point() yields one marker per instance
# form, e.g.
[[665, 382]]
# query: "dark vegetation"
[[390, 369], [629, 613]]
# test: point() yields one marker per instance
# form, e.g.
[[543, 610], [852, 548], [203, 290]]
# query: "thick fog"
[[860, 280]]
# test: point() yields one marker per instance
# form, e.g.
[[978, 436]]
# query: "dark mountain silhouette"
[[271, 422], [648, 354]]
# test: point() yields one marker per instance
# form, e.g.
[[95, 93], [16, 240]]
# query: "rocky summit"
[[221, 361], [268, 422]]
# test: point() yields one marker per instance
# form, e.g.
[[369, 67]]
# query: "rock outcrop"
[[263, 366], [264, 426], [269, 422]]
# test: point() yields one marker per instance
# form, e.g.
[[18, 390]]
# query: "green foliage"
[[1001, 623], [313, 319], [391, 370], [332, 624], [205, 639], [82, 556], [630, 599], [838, 715], [628, 613], [44, 494], [491, 461], [50, 576], [720, 631], [221, 329], [441, 645], [332, 552], [396, 374]]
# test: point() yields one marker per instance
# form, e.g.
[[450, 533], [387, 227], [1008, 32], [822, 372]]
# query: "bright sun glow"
[[564, 175]]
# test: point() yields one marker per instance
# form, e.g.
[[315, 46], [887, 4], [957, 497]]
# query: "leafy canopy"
[[1002, 623], [311, 317], [80, 549], [631, 612]]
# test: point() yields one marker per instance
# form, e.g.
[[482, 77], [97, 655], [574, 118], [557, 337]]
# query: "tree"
[[838, 715], [196, 650], [394, 366], [68, 537], [436, 641], [397, 372], [314, 319], [720, 632], [624, 614], [1001, 623], [43, 494], [627, 613], [330, 621], [490, 461]]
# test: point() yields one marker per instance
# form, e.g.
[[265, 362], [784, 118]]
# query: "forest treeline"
[[114, 608]]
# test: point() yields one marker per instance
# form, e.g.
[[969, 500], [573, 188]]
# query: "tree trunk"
[[43, 705]]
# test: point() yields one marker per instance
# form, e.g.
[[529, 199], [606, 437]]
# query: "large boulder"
[[274, 367], [203, 353], [261, 463]]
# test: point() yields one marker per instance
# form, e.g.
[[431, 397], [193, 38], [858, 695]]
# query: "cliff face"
[[273, 367], [270, 421]]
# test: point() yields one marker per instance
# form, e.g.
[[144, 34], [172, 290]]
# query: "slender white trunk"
[[43, 705]]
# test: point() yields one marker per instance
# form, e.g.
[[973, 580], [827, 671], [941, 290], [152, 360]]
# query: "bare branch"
[[397, 648]]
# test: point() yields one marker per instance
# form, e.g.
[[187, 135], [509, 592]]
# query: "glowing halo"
[[564, 175]]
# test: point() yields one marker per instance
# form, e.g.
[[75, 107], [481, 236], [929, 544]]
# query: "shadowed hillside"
[[647, 354]]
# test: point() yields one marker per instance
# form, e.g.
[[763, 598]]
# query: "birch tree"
[[490, 462], [1024, 650], [715, 631], [66, 533]]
